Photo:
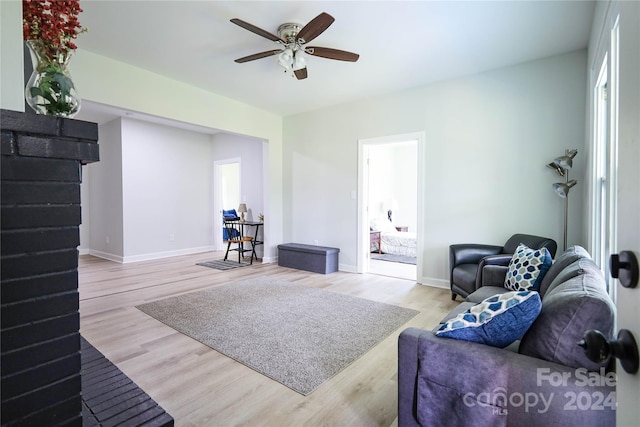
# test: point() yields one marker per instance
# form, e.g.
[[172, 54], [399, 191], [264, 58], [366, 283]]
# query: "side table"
[[374, 237]]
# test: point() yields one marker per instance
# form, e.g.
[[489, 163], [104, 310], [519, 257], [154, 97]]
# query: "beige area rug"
[[297, 335]]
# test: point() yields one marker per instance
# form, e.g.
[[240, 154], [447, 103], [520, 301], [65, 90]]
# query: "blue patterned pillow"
[[527, 268], [497, 321]]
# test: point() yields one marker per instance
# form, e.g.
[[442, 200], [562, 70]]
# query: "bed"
[[392, 241]]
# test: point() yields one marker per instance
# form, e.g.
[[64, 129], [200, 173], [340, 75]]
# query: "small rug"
[[394, 258], [220, 264], [297, 335]]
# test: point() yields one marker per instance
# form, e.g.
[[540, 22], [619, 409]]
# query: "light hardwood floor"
[[200, 387]]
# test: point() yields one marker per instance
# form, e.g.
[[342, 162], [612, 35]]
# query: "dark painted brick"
[[39, 376], [15, 338], [99, 374], [88, 418], [126, 416], [115, 407], [79, 129], [28, 193], [56, 148], [36, 169], [39, 240], [22, 313], [7, 144], [96, 396], [164, 420], [17, 266], [47, 396], [14, 217], [28, 123], [39, 286], [26, 357], [67, 413]]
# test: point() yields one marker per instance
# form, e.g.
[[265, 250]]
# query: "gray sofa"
[[544, 379]]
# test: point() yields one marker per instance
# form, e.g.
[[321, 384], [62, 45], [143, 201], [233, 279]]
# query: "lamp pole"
[[566, 213]]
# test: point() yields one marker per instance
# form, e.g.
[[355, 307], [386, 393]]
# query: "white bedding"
[[392, 241], [398, 243]]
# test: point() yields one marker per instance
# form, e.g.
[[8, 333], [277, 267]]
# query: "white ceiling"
[[402, 44]]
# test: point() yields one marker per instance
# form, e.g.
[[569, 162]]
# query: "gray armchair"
[[467, 260]]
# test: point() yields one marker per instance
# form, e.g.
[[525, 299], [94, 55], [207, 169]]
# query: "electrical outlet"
[[107, 239], [315, 242], [172, 237]]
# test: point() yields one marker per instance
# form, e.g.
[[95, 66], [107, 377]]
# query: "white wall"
[[151, 195], [104, 211], [11, 62], [167, 205], [249, 150], [488, 139], [110, 82]]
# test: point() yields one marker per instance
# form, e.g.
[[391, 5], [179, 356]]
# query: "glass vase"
[[50, 90]]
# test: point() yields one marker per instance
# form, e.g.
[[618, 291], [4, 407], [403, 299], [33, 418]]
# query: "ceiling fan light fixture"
[[299, 61], [285, 59], [292, 39]]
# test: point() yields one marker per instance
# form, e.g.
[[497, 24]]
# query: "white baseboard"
[[105, 255], [166, 254], [436, 283], [148, 257], [347, 268]]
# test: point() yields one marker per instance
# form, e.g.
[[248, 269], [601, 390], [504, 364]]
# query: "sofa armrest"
[[455, 382], [408, 376], [470, 253], [492, 260], [493, 275], [499, 259]]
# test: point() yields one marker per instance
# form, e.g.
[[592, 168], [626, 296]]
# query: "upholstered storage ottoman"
[[319, 259]]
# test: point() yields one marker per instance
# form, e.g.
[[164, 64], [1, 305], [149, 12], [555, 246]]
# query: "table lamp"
[[242, 209]]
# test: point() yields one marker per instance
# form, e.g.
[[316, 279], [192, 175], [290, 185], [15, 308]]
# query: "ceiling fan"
[[293, 39]]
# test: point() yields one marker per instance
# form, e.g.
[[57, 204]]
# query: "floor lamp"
[[562, 165]]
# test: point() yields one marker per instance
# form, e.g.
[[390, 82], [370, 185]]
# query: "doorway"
[[390, 193], [226, 193]]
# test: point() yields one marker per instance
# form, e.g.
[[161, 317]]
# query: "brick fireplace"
[[42, 160]]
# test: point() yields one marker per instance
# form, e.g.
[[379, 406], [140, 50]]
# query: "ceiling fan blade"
[[315, 27], [326, 52], [258, 56], [301, 73], [256, 30]]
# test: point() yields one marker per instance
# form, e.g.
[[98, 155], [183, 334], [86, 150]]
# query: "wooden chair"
[[233, 230]]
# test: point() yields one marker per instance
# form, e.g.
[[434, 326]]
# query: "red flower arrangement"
[[52, 23], [49, 28]]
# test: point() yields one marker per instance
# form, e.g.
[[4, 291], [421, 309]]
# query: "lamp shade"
[[242, 207], [562, 189], [299, 61], [285, 59], [557, 168], [566, 161]]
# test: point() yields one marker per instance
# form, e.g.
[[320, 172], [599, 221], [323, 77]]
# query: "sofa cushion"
[[461, 308], [567, 258], [497, 321], [569, 309], [527, 268], [485, 292]]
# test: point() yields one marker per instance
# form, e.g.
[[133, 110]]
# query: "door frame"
[[217, 199], [363, 243]]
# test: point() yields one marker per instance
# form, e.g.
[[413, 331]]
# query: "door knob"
[[598, 349], [624, 267]]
